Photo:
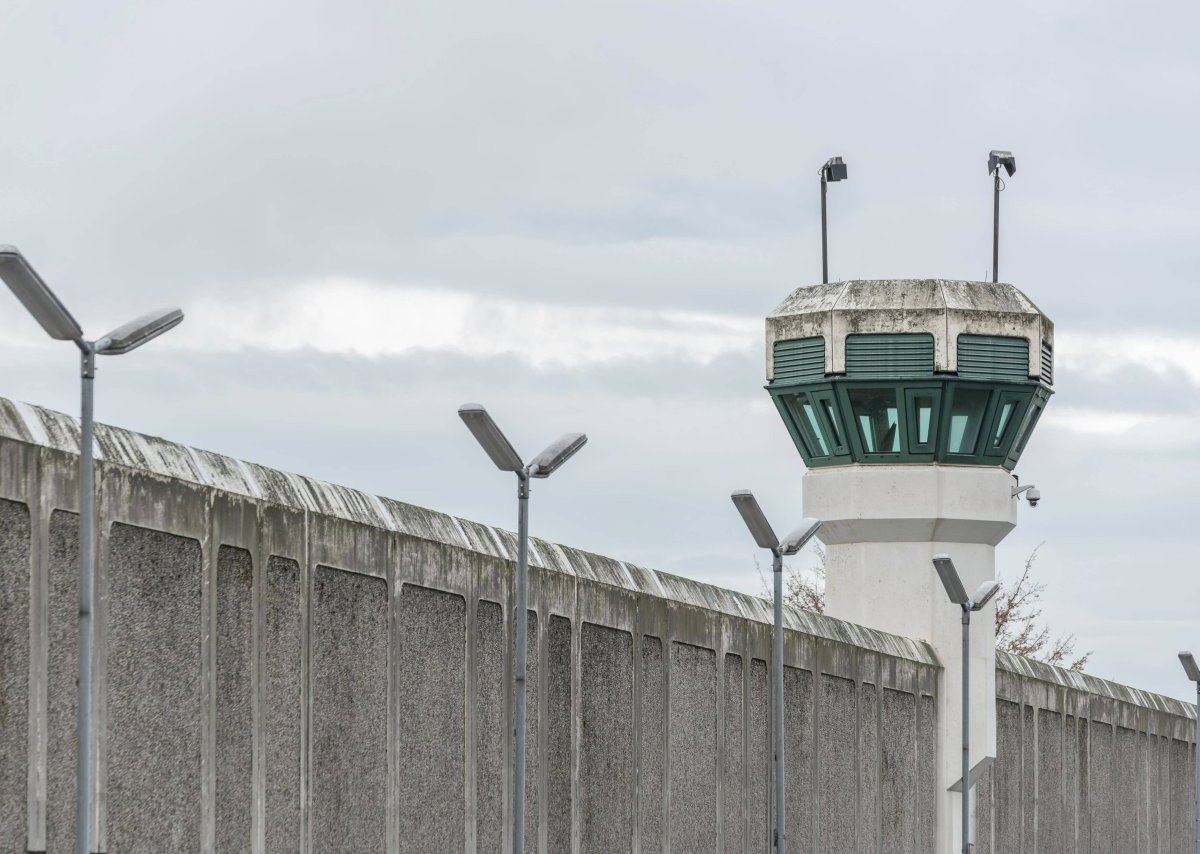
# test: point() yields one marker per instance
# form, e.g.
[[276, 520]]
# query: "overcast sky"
[[578, 214]]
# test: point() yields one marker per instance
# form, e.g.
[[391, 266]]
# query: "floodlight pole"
[[824, 231], [87, 529], [521, 664], [966, 730], [996, 227], [777, 572]]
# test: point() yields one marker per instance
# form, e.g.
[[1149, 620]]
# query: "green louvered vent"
[[1047, 364], [992, 357], [800, 360], [906, 355]]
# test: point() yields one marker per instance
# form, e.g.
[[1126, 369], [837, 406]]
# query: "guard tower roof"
[[943, 308]]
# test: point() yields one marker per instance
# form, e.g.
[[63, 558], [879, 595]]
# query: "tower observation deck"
[[910, 371]]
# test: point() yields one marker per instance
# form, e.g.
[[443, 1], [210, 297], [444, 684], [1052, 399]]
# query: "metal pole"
[[521, 665], [87, 527], [824, 234], [777, 567], [1197, 759], [966, 731], [996, 229]]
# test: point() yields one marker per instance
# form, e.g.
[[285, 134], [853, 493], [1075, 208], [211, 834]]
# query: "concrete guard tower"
[[911, 402]]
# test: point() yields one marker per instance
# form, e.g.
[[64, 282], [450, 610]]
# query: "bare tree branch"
[[1019, 629]]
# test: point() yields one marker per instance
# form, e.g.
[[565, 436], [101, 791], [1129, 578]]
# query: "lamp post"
[[1193, 672], [764, 537], [833, 170], [501, 451], [53, 316], [969, 604], [996, 160]]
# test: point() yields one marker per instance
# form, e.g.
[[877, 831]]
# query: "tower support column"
[[882, 525]]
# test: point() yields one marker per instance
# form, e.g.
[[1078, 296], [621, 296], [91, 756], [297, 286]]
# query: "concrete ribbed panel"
[[14, 672], [154, 690]]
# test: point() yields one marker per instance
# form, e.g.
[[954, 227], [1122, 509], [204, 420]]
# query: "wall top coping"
[[1078, 681], [46, 428]]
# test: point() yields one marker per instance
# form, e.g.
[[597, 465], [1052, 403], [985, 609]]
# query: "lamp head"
[[834, 169], [984, 594], [37, 297], [1190, 667], [950, 580], [1005, 159], [559, 451], [797, 539], [140, 331], [755, 519], [494, 443]]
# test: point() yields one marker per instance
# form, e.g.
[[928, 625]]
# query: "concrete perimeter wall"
[[286, 665], [1086, 766]]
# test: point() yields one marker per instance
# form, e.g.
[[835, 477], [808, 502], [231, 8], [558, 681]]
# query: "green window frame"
[[923, 431], [1009, 411], [801, 417], [967, 411], [869, 428], [1032, 414], [946, 419], [829, 413]]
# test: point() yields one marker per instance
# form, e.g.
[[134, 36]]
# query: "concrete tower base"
[[882, 526]]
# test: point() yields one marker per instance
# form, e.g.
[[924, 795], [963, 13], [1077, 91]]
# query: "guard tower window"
[[877, 415], [804, 411], [967, 408], [810, 419]]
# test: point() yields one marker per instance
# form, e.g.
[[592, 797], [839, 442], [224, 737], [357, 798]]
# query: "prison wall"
[[1086, 766], [286, 665]]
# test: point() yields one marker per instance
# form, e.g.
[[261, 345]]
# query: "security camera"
[[1031, 494]]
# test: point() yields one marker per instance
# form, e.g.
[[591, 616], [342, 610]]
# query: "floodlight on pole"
[[755, 519], [834, 169], [48, 310], [998, 160], [496, 445], [984, 594], [37, 297], [799, 537], [562, 449], [494, 442], [950, 580], [140, 331], [957, 594], [1190, 667], [1193, 672], [764, 536]]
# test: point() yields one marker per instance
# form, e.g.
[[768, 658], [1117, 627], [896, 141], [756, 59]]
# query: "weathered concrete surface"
[[14, 672], [940, 307], [376, 640], [1085, 766]]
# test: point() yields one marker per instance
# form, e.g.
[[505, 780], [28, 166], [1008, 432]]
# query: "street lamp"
[[502, 453], [1193, 672], [958, 595], [996, 161], [833, 170], [53, 316], [764, 537]]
